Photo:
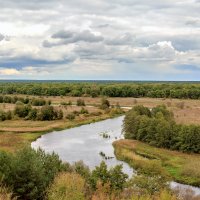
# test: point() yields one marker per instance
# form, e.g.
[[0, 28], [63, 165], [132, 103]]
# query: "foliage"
[[46, 113], [5, 115], [115, 177], [178, 90], [67, 186], [29, 172], [158, 128], [26, 100], [22, 110]]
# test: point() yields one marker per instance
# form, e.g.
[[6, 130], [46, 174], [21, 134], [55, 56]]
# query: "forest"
[[179, 90]]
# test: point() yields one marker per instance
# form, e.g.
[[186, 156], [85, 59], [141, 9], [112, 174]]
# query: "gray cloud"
[[1, 37], [67, 37]]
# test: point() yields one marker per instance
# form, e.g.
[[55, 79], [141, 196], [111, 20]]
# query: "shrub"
[[70, 116], [116, 111], [2, 115], [83, 111], [80, 102], [148, 185], [67, 186], [47, 113], [33, 114], [115, 177], [38, 102], [22, 110], [105, 104]]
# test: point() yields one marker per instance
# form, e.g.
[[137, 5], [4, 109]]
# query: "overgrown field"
[[181, 167]]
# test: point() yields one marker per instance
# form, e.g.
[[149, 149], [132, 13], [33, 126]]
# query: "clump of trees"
[[26, 100], [29, 172], [157, 127], [45, 113]]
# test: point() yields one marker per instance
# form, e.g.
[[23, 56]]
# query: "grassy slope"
[[181, 167]]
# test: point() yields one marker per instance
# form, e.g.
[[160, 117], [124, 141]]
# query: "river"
[[86, 143]]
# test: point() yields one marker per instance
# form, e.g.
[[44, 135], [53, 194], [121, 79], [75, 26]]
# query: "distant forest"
[[180, 90]]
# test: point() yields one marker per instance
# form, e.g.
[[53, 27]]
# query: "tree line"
[[157, 127], [111, 89]]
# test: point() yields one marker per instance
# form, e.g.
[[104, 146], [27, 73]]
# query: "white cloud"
[[103, 36], [8, 72]]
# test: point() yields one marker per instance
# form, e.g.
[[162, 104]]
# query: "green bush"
[[22, 110], [47, 113], [115, 177]]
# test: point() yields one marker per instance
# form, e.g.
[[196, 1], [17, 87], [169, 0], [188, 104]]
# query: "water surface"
[[85, 143]]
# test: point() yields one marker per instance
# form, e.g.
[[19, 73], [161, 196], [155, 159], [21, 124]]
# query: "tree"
[[29, 172]]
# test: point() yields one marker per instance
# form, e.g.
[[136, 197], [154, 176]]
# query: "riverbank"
[[180, 167], [19, 133]]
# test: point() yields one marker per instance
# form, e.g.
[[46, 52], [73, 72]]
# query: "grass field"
[[181, 167]]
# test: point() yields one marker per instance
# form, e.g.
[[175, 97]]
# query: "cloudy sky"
[[100, 39]]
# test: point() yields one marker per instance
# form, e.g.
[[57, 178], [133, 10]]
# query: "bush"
[[38, 102], [105, 104], [115, 177], [2, 115], [47, 113], [67, 186], [80, 102], [148, 185], [33, 114], [70, 116], [22, 110], [83, 111]]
